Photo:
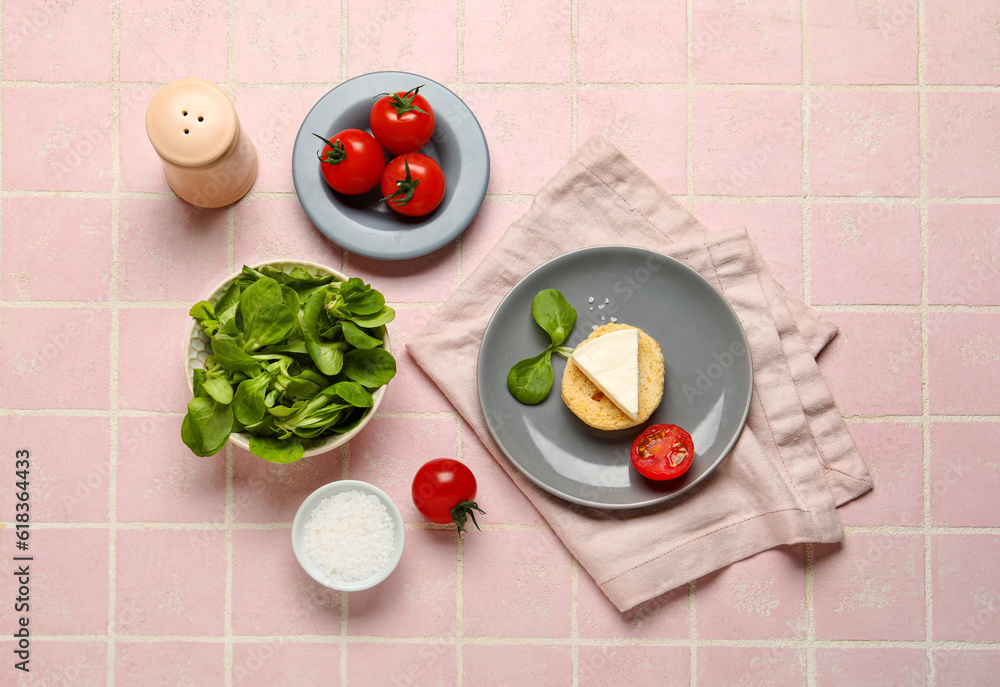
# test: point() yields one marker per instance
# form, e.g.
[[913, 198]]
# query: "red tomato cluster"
[[402, 123]]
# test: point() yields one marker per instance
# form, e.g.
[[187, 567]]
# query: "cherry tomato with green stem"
[[413, 184], [663, 452], [443, 491], [402, 122], [351, 161]]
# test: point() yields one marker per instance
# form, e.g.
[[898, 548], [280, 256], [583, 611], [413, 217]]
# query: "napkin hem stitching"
[[707, 534], [630, 206], [856, 479]]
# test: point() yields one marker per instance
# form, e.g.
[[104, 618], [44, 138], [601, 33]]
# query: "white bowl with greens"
[[285, 359]]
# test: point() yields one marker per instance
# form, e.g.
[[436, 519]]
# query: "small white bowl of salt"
[[348, 535]]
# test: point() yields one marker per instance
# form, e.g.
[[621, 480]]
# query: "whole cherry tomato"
[[352, 161], [443, 491], [413, 184], [402, 122], [663, 452]]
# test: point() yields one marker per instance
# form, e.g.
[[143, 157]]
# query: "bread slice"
[[591, 405]]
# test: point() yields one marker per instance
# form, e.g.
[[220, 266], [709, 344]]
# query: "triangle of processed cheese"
[[611, 362]]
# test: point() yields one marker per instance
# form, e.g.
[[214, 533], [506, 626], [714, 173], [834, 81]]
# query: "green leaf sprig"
[[530, 380], [295, 358]]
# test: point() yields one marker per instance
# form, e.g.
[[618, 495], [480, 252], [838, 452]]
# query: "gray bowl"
[[365, 225]]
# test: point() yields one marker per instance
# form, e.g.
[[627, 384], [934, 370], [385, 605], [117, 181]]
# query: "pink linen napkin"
[[795, 460]]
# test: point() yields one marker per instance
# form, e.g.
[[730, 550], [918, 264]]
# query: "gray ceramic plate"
[[709, 375], [365, 225]]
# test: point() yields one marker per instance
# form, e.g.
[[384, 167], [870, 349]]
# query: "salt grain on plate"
[[591, 300], [349, 536]]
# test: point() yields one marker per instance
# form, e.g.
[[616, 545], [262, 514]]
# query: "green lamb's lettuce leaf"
[[530, 380], [249, 403], [357, 338], [382, 317], [353, 393], [276, 450], [206, 426], [269, 326], [553, 314], [371, 368]]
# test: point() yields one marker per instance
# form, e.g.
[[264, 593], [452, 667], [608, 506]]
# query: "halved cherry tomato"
[[413, 184], [352, 161], [402, 122], [663, 452], [443, 491]]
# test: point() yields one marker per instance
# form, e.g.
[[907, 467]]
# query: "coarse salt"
[[349, 536]]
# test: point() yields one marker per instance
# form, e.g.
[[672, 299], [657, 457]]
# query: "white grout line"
[[806, 193], [227, 611], [924, 336], [460, 91], [513, 197], [690, 197], [459, 576], [115, 338], [551, 85], [424, 305], [345, 55], [689, 202], [539, 641]]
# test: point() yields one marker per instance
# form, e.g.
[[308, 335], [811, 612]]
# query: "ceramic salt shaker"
[[207, 157]]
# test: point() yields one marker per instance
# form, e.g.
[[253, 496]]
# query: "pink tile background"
[[747, 142], [889, 666], [174, 661], [963, 572], [965, 474], [857, 140], [963, 254], [761, 597], [169, 582], [748, 43], [882, 36], [873, 366], [69, 148], [71, 483], [878, 246], [724, 665], [262, 664], [964, 359], [285, 42], [652, 57], [870, 587], [35, 263], [864, 144]]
